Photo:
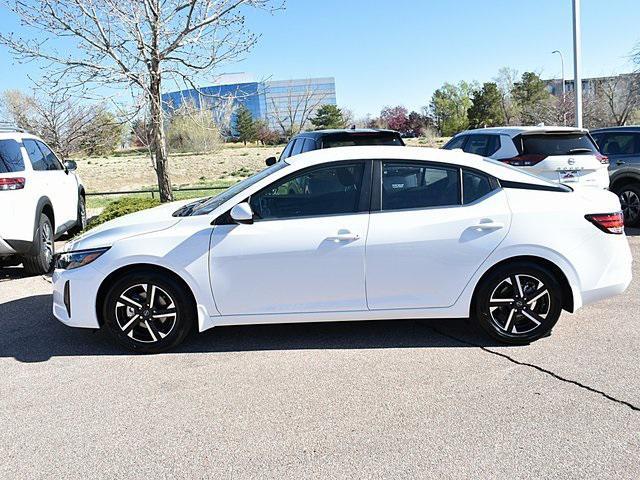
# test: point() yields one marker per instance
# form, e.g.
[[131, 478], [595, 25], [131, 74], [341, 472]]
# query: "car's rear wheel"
[[629, 196], [44, 247], [148, 312], [518, 303], [81, 221]]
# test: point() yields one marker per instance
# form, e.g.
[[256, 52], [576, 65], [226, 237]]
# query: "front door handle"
[[344, 237], [488, 226]]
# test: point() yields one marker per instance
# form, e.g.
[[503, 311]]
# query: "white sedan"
[[356, 233]]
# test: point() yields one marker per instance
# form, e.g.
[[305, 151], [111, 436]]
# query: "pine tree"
[[328, 116], [245, 125]]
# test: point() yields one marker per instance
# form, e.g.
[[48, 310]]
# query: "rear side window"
[[619, 143], [359, 140], [10, 157], [38, 162], [555, 144], [407, 185], [474, 186], [484, 145]]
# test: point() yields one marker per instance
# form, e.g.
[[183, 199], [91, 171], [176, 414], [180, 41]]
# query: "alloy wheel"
[[46, 242], [630, 202], [519, 304], [146, 313]]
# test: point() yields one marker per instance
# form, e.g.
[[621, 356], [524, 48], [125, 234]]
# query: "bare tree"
[[134, 44], [67, 124], [506, 79], [293, 111], [621, 95]]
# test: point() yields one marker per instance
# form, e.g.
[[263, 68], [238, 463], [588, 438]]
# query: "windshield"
[[557, 144], [210, 204]]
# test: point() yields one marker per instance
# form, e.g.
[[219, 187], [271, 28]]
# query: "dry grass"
[[230, 164]]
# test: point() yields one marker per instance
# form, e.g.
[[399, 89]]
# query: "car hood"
[[134, 224]]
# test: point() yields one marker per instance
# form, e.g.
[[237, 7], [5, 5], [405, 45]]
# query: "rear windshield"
[[556, 144], [10, 157], [361, 140]]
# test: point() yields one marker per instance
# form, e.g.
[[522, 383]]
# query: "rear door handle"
[[488, 226]]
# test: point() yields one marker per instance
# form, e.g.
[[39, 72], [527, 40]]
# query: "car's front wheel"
[[148, 311], [518, 303], [81, 220], [629, 196]]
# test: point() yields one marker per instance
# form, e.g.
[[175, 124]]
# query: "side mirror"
[[70, 165], [271, 161], [242, 213]]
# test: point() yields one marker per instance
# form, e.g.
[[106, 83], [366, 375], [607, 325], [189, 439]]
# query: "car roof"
[[345, 132], [626, 128], [435, 155], [514, 131]]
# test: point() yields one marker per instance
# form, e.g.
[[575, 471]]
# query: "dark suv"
[[354, 137], [622, 146]]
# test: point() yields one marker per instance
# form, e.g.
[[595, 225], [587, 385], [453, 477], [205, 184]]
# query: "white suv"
[[561, 154], [40, 199]]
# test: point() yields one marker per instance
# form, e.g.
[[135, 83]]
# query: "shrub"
[[123, 206]]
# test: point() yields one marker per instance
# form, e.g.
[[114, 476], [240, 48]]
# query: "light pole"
[[561, 66], [577, 61], [563, 98]]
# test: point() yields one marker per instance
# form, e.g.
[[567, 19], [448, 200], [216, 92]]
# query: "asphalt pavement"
[[391, 399]]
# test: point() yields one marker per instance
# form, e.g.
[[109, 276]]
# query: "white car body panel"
[[18, 207], [293, 271]]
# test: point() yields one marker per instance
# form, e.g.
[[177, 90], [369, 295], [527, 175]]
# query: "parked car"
[[358, 233], [352, 137], [559, 154], [41, 198], [622, 146]]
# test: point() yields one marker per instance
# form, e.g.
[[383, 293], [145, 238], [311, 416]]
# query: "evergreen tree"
[[245, 125], [486, 109], [328, 116], [533, 99]]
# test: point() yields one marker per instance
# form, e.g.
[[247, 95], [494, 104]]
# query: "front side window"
[[407, 185], [456, 142], [297, 147], [287, 150], [10, 157], [483, 145], [49, 157], [38, 161], [319, 191]]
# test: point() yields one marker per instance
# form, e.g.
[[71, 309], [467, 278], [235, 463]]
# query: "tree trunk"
[[160, 144]]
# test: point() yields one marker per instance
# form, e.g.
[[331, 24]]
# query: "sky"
[[398, 52]]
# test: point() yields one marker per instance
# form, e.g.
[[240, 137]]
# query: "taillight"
[[603, 159], [526, 160], [608, 222], [14, 183]]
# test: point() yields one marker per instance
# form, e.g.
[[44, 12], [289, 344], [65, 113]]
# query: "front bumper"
[[5, 248], [79, 307]]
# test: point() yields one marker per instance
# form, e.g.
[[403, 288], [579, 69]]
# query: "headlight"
[[80, 258]]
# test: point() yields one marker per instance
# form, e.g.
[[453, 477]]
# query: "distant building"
[[271, 101], [593, 85]]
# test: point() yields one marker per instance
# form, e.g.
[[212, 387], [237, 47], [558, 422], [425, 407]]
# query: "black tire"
[[528, 316], [629, 196], [81, 221], [138, 325], [41, 261]]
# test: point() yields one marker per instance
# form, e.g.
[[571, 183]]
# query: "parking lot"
[[401, 399]]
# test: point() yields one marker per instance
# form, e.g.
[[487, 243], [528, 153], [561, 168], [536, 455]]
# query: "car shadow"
[[632, 232], [31, 334]]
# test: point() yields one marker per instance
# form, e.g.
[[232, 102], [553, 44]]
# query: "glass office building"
[[276, 102]]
